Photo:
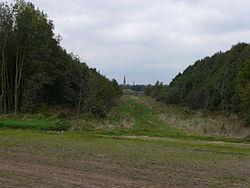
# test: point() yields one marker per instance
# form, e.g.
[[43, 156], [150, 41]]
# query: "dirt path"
[[150, 138]]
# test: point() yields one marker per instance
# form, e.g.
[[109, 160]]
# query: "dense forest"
[[36, 71], [217, 83]]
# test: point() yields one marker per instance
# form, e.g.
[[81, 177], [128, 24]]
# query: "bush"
[[100, 110]]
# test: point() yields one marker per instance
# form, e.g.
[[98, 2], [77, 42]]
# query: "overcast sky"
[[147, 40]]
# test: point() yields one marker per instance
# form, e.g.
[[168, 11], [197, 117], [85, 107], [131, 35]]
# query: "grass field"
[[141, 143], [34, 122], [39, 159]]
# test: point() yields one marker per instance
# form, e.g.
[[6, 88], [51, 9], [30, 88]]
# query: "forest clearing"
[[110, 157], [138, 103]]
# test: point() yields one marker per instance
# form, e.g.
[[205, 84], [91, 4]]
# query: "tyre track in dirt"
[[42, 174]]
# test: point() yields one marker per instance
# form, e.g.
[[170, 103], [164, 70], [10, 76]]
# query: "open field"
[[39, 159], [140, 144]]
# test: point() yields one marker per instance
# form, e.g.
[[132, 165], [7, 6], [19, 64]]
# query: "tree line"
[[217, 83], [36, 71]]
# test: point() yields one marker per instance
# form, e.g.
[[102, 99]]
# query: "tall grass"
[[203, 123]]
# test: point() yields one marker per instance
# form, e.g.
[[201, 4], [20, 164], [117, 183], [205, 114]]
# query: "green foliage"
[[244, 88], [36, 71], [217, 83], [157, 91]]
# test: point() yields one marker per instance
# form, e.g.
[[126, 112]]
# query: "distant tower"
[[124, 81]]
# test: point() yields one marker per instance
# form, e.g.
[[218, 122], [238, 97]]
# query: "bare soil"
[[49, 160]]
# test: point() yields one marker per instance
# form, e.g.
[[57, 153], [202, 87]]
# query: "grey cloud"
[[144, 39]]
